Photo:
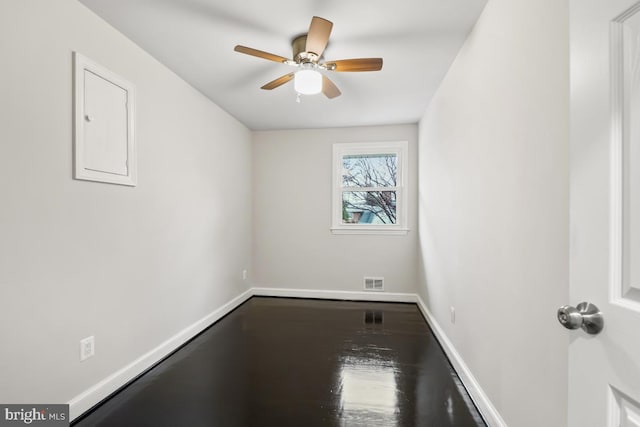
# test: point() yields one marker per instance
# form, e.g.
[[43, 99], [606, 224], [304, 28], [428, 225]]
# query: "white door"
[[604, 369]]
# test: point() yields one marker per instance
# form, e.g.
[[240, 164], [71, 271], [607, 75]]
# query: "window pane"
[[369, 207], [369, 170]]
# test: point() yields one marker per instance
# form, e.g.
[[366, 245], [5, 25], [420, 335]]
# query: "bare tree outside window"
[[369, 188]]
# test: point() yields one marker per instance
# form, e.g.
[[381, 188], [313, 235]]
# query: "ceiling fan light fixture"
[[307, 58], [308, 82]]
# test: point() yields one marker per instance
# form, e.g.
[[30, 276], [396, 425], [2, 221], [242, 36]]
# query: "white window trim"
[[400, 149]]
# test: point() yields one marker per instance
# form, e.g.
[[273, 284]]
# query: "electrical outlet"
[[87, 348], [453, 314], [244, 274]]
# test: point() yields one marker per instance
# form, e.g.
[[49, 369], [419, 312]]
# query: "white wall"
[[493, 211], [293, 244], [132, 266]]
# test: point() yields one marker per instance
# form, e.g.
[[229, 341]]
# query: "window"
[[369, 188]]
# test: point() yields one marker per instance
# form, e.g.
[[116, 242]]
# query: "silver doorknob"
[[586, 316]]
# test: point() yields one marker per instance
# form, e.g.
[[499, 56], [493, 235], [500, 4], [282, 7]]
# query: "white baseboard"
[[479, 397], [339, 295], [93, 395]]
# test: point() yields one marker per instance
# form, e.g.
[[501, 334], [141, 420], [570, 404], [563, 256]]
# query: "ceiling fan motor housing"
[[300, 54]]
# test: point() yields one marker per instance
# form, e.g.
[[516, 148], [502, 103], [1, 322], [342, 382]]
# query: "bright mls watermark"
[[34, 415]]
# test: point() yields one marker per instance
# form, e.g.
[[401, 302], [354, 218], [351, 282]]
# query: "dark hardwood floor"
[[296, 362]]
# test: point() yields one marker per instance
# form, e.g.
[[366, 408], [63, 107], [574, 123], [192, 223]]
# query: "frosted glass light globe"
[[308, 82]]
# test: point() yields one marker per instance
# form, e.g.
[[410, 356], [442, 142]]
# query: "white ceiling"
[[418, 40]]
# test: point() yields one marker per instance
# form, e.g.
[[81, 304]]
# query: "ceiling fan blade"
[[318, 35], [359, 64], [329, 89], [278, 82], [260, 54]]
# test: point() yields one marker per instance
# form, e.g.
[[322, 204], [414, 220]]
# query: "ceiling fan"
[[307, 52]]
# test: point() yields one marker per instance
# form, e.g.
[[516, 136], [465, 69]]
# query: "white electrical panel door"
[[105, 125], [104, 139]]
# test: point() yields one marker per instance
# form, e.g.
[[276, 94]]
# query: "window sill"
[[370, 230]]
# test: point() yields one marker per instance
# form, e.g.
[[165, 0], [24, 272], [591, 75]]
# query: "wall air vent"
[[374, 283]]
